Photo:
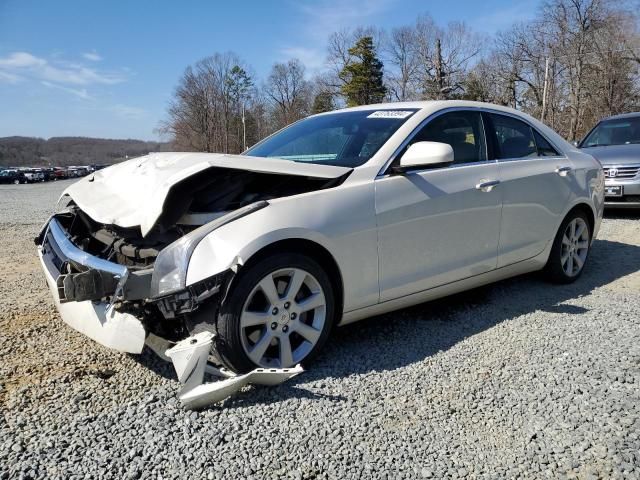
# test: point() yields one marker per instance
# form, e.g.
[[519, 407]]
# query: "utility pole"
[[544, 89], [439, 70], [244, 130]]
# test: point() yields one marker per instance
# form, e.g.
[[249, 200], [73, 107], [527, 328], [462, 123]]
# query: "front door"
[[439, 225]]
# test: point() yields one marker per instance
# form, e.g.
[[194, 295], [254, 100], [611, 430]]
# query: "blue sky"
[[107, 69]]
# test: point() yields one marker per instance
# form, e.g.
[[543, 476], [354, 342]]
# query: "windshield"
[[346, 139], [621, 131]]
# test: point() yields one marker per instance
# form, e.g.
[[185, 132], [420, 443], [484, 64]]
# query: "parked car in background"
[[77, 171], [12, 176], [338, 217], [33, 175], [615, 142], [59, 173], [48, 173]]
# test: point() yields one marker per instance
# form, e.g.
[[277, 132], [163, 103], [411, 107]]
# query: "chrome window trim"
[[384, 170], [525, 159], [524, 120]]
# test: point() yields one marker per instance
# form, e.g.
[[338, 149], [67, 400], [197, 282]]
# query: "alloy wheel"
[[283, 318], [575, 247]]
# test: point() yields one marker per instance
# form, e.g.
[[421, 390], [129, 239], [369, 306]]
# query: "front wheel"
[[278, 313], [570, 249]]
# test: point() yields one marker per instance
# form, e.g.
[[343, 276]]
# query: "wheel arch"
[[588, 211], [313, 250]]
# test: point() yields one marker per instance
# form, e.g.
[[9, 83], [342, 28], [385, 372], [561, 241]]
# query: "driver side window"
[[462, 130]]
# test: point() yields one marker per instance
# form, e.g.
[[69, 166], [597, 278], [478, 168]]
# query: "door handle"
[[562, 171], [488, 185]]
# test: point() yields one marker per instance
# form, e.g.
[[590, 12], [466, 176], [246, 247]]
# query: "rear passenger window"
[[544, 148], [460, 129], [514, 138]]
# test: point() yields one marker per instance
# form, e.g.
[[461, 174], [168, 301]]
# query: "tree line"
[[575, 62], [65, 151]]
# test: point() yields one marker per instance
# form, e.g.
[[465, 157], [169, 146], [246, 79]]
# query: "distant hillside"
[[60, 151]]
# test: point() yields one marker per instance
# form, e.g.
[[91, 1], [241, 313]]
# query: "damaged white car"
[[246, 262]]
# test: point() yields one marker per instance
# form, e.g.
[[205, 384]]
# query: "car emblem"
[[613, 172]]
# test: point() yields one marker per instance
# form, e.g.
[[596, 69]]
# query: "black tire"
[[553, 270], [228, 340]]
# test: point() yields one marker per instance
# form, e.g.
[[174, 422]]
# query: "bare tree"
[[289, 92], [403, 66], [445, 56], [580, 51]]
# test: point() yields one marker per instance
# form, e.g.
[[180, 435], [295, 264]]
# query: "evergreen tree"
[[362, 76], [323, 102]]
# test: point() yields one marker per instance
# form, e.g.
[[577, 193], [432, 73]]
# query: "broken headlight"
[[170, 268]]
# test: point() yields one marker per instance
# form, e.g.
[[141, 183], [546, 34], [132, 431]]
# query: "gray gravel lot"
[[519, 379]]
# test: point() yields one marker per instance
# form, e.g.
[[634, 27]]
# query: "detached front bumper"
[[75, 278]]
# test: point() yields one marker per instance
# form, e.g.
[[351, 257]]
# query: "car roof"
[[622, 115], [431, 106]]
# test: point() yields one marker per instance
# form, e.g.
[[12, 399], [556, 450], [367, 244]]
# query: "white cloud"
[[81, 93], [326, 16], [323, 17], [9, 77], [126, 111], [25, 64], [312, 58], [92, 56]]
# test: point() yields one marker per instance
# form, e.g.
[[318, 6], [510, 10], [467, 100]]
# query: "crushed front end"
[[117, 252], [101, 281], [114, 286]]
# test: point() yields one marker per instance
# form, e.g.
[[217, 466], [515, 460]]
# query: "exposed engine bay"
[[195, 201]]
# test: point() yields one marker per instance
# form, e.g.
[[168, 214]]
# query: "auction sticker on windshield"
[[390, 114]]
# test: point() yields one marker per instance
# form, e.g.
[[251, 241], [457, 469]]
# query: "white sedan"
[[336, 218]]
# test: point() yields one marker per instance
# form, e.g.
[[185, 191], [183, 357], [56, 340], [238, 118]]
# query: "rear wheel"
[[570, 249], [278, 313]]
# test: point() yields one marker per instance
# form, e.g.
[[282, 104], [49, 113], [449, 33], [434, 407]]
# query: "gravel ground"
[[519, 379]]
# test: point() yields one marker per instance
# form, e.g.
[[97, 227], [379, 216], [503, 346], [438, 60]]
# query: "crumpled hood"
[[616, 154], [132, 193]]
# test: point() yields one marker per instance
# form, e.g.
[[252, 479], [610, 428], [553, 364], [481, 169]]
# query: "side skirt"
[[531, 265]]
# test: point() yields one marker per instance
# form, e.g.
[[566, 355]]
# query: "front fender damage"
[[195, 357]]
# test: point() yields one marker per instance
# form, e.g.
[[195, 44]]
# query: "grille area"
[[621, 172]]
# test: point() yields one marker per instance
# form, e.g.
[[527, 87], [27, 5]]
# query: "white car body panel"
[[456, 218], [350, 238], [534, 199], [397, 240], [436, 227]]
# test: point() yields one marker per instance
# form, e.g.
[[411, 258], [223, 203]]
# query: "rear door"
[[535, 180]]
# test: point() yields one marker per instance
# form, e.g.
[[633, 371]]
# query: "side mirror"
[[425, 154], [575, 143]]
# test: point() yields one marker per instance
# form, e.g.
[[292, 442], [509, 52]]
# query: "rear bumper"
[[94, 318]]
